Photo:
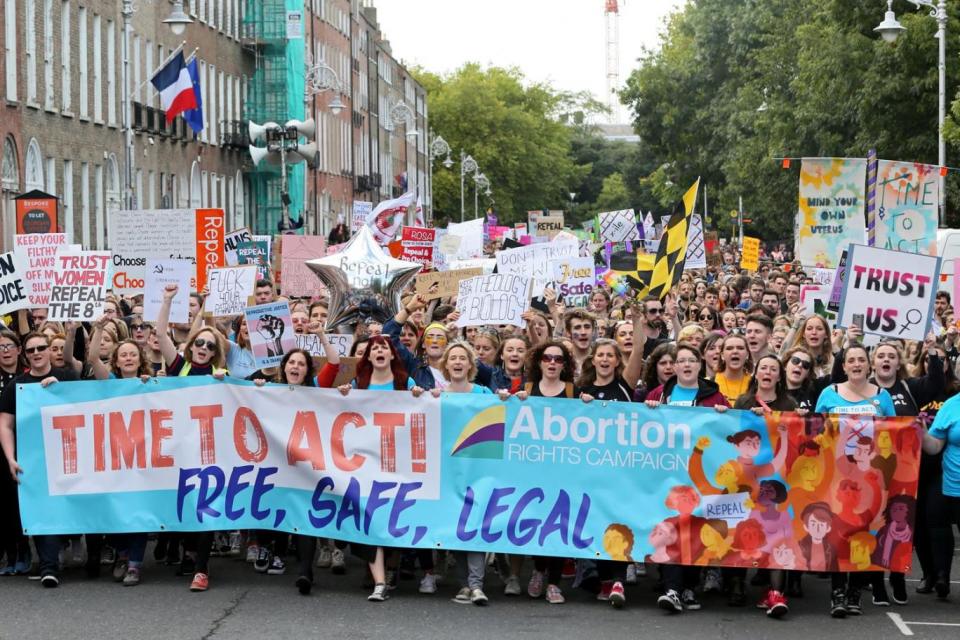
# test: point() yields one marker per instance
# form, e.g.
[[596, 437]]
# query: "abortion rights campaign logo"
[[483, 435]]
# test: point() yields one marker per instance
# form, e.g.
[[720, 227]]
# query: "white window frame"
[[10, 48], [66, 73], [82, 62]]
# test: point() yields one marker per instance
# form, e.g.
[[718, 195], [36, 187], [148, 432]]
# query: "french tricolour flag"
[[175, 87]]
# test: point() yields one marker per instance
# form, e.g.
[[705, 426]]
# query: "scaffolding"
[[275, 94]]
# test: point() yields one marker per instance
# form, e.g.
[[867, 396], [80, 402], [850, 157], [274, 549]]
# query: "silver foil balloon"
[[364, 281]]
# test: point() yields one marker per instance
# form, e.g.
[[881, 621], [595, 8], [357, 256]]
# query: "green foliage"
[[614, 194], [516, 132], [737, 83]]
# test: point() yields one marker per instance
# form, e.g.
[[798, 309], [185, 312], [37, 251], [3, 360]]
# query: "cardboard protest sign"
[[618, 226], [499, 298], [160, 273], [416, 244], [39, 250], [441, 284], [750, 256], [14, 290], [893, 290], [345, 374], [471, 239], [908, 195], [298, 280], [230, 242], [135, 236], [79, 286], [311, 342], [535, 261], [696, 251], [255, 253], [271, 332], [361, 211], [830, 212], [574, 279], [229, 289], [548, 226]]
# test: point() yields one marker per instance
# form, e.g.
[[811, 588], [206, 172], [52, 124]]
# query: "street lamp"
[[467, 165], [480, 181], [178, 22], [321, 77], [889, 30]]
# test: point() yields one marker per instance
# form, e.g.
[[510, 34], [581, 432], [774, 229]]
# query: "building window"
[[111, 73], [67, 199], [97, 75], [204, 136], [98, 225], [30, 49], [148, 53], [33, 170], [82, 62], [212, 120], [65, 78], [52, 176], [10, 47], [138, 91], [138, 186], [48, 53], [85, 203]]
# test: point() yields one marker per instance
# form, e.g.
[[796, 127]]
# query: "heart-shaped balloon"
[[364, 281]]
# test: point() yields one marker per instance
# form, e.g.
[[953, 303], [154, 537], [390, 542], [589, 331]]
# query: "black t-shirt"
[[195, 370], [6, 378], [8, 399], [616, 389], [259, 374], [569, 391]]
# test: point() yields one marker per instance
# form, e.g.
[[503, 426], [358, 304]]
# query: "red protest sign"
[[417, 244]]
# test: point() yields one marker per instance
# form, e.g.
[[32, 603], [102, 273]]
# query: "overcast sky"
[[561, 41]]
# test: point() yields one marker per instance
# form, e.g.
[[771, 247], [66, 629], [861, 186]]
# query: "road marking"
[[918, 580], [897, 620]]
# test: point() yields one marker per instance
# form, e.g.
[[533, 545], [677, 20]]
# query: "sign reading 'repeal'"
[[893, 290]]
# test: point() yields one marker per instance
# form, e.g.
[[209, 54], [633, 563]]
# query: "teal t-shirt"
[[683, 396], [879, 405], [387, 386], [946, 426]]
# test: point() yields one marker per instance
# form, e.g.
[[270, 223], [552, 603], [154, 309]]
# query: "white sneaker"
[[478, 597], [428, 584], [463, 596], [262, 563], [235, 543], [253, 551], [337, 564], [512, 587], [324, 558], [379, 593]]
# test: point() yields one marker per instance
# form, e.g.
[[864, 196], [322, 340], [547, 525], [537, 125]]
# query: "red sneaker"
[[605, 587], [776, 604], [617, 597], [201, 582]]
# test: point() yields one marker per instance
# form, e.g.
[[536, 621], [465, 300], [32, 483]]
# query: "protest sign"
[[229, 290], [696, 252], [574, 280], [893, 290], [298, 280], [230, 242], [361, 211], [440, 284], [14, 290], [534, 261], [830, 213], [256, 253], [384, 468], [908, 194], [814, 299], [209, 243], [38, 250], [180, 234], [750, 256], [618, 226], [499, 298], [160, 273], [836, 286], [548, 226], [271, 332], [80, 286], [311, 342], [471, 239], [822, 276], [417, 245]]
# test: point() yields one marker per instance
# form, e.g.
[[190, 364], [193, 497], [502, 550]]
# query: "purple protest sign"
[[836, 293]]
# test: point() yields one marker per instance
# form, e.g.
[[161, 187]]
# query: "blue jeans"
[[48, 549]]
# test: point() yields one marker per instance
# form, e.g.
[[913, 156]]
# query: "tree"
[[613, 195], [513, 131]]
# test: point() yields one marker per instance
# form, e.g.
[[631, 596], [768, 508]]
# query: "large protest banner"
[[38, 250], [908, 195], [830, 213], [79, 286], [536, 260], [548, 477], [14, 290], [893, 290]]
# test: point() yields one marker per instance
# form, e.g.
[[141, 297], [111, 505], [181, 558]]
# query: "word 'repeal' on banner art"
[[830, 213]]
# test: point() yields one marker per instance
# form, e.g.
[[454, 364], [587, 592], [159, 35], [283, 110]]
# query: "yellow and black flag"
[[672, 251]]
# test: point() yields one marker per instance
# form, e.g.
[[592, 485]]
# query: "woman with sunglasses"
[[801, 383], [685, 388], [203, 355], [709, 319], [433, 341], [549, 375], [380, 369], [860, 396]]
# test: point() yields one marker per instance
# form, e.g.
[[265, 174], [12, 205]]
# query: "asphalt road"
[[242, 604]]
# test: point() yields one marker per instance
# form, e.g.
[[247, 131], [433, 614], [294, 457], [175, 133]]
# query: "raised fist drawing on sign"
[[270, 328]]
